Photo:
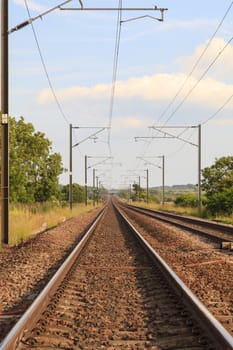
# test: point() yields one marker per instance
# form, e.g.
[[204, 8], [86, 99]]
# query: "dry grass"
[[185, 210], [169, 206], [25, 222], [225, 219]]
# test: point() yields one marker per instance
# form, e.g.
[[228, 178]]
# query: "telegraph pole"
[[163, 176], [5, 111], [86, 180], [71, 146], [167, 135], [70, 172], [4, 126], [97, 190], [198, 145], [139, 187], [147, 185], [199, 167], [94, 186], [157, 166]]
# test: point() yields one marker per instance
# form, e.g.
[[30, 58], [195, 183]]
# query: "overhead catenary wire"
[[197, 62], [184, 144], [116, 57], [45, 68], [198, 81], [114, 74], [218, 110]]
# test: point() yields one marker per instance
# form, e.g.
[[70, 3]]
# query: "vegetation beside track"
[[172, 207], [28, 220]]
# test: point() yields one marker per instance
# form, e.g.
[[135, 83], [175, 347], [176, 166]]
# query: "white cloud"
[[156, 87], [223, 66], [71, 93], [129, 123]]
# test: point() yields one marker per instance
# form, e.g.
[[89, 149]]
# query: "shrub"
[[187, 200]]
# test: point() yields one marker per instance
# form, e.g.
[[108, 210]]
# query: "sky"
[[120, 74]]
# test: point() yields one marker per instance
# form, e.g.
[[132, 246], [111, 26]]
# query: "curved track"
[[115, 292]]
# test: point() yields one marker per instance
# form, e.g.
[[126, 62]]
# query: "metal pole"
[[199, 167], [86, 180], [97, 189], [163, 176], [4, 126], [139, 188], [94, 186], [70, 172], [100, 194], [147, 186]]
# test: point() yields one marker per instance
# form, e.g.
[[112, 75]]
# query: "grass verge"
[[186, 210], [26, 221]]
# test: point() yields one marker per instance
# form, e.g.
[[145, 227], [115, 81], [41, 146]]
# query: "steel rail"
[[33, 313], [213, 328], [168, 218], [194, 220]]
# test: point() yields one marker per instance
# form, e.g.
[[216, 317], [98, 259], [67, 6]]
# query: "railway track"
[[217, 232], [115, 292]]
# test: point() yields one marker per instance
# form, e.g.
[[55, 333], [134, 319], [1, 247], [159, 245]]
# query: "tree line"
[[34, 169], [34, 174], [217, 190]]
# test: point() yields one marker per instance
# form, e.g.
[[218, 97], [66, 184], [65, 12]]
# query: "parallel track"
[[215, 231], [110, 294]]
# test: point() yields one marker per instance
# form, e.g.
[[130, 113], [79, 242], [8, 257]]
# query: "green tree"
[[186, 200], [218, 184], [34, 169], [77, 193], [136, 192], [123, 193]]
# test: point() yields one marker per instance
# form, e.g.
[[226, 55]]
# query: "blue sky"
[[154, 60]]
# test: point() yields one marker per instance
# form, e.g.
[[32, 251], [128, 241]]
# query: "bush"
[[221, 202], [187, 200]]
